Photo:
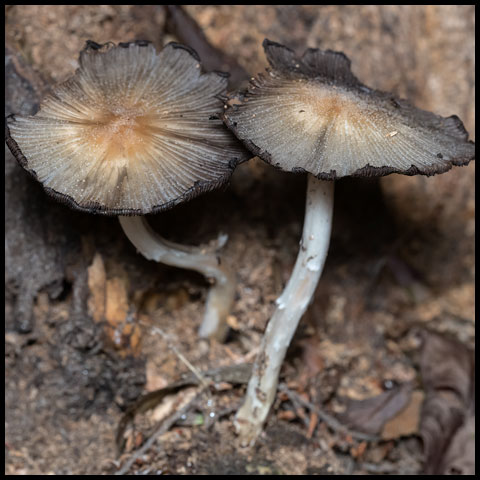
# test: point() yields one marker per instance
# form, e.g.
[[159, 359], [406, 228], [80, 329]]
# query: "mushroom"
[[312, 115], [136, 132]]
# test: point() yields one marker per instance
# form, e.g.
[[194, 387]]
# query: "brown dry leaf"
[[447, 369], [120, 329], [357, 451], [97, 278], [132, 332], [407, 421], [371, 414], [116, 304], [155, 379], [312, 424], [108, 302], [172, 403], [232, 322]]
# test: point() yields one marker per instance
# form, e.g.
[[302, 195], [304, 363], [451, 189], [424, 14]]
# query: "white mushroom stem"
[[220, 297], [291, 305]]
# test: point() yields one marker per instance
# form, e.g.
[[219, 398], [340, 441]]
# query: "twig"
[[234, 374], [331, 422], [182, 358], [296, 404], [386, 467], [163, 427]]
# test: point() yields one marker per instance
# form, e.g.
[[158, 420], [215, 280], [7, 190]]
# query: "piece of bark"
[[32, 224]]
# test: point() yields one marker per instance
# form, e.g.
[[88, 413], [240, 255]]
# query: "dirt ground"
[[386, 345]]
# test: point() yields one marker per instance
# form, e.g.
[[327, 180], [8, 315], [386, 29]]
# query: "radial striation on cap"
[[312, 114], [132, 132]]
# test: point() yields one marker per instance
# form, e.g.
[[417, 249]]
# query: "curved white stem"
[[220, 297], [291, 305]]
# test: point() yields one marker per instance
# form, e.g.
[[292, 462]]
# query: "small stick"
[[331, 422], [182, 358], [160, 430]]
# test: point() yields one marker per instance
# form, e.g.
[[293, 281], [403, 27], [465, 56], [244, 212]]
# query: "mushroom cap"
[[132, 132], [312, 114]]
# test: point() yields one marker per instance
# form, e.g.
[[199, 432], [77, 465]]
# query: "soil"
[[401, 261]]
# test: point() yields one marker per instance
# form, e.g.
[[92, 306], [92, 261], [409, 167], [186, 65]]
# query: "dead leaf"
[[116, 304], [312, 424], [447, 368], [371, 414], [407, 421], [97, 279], [108, 303], [460, 456], [357, 451], [155, 379], [232, 322]]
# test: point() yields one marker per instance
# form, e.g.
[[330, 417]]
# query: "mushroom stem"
[[291, 305], [220, 297]]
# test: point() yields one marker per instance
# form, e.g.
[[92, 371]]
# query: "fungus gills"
[[220, 297], [291, 306]]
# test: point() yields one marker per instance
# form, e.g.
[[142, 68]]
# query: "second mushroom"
[[312, 115], [136, 132]]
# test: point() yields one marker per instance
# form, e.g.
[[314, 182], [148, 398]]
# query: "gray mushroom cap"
[[132, 132], [312, 114]]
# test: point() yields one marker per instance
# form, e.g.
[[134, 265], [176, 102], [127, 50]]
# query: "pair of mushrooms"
[[134, 132]]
